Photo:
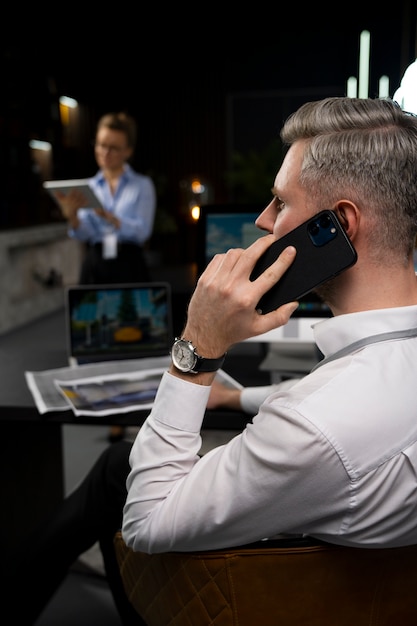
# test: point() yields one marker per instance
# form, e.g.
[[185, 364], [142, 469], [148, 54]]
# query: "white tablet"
[[80, 184]]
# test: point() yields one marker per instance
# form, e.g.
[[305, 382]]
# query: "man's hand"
[[108, 216], [222, 310], [223, 397], [69, 204]]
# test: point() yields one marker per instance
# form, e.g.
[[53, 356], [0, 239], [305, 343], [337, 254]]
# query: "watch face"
[[183, 356]]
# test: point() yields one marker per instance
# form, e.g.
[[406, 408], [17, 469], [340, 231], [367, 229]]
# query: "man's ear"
[[349, 216]]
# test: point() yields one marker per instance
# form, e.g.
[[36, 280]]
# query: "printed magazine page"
[[111, 394], [103, 388], [48, 398]]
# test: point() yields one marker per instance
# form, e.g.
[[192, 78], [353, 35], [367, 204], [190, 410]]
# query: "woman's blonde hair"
[[121, 122]]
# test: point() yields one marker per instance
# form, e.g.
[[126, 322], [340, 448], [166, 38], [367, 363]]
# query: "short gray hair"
[[364, 150]]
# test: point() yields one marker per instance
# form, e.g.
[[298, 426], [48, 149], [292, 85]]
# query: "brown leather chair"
[[285, 582]]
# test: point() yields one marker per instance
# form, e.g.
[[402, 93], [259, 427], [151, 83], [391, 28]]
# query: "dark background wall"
[[203, 86]]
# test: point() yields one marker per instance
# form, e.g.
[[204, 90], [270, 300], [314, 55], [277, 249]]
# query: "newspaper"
[[47, 396], [103, 388], [115, 393]]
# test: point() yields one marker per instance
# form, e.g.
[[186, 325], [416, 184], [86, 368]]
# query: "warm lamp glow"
[[197, 186], [66, 101], [64, 114], [195, 193], [65, 104], [195, 212]]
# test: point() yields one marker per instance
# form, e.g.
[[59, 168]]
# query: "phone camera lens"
[[314, 229], [325, 221]]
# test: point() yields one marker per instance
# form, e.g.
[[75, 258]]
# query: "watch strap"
[[208, 365]]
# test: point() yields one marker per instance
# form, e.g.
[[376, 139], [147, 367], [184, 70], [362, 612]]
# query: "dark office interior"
[[213, 99], [209, 97]]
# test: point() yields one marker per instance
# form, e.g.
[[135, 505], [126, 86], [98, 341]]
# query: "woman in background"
[[114, 234]]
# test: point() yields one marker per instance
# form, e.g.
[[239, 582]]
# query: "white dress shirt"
[[251, 398], [333, 456]]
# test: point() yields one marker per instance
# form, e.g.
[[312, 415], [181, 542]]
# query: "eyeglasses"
[[106, 148]]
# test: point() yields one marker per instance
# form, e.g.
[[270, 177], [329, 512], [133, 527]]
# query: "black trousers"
[[128, 267], [91, 513]]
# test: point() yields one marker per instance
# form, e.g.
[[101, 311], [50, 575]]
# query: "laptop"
[[118, 322]]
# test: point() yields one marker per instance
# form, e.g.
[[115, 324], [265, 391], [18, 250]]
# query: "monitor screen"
[[224, 226], [228, 229]]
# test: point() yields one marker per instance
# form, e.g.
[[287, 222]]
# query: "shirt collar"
[[335, 333], [126, 175]]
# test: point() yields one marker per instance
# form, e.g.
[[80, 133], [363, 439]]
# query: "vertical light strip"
[[383, 87], [364, 51], [352, 87]]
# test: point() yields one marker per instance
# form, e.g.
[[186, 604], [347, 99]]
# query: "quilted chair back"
[[299, 582]]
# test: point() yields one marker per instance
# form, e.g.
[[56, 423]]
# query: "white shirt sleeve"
[[251, 398], [255, 486]]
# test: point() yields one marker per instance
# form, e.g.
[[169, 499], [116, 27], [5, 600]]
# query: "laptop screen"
[[111, 322]]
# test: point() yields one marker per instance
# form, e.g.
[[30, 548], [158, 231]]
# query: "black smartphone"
[[323, 251]]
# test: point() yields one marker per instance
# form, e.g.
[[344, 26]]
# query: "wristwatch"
[[186, 360]]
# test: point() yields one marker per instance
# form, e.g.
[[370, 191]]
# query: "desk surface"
[[37, 483], [40, 345]]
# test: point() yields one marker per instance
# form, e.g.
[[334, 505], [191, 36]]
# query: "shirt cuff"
[[180, 403]]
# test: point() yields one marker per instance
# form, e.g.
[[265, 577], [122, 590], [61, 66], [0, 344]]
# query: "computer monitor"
[[224, 226]]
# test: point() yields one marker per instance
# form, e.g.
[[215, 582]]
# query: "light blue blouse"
[[134, 203]]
